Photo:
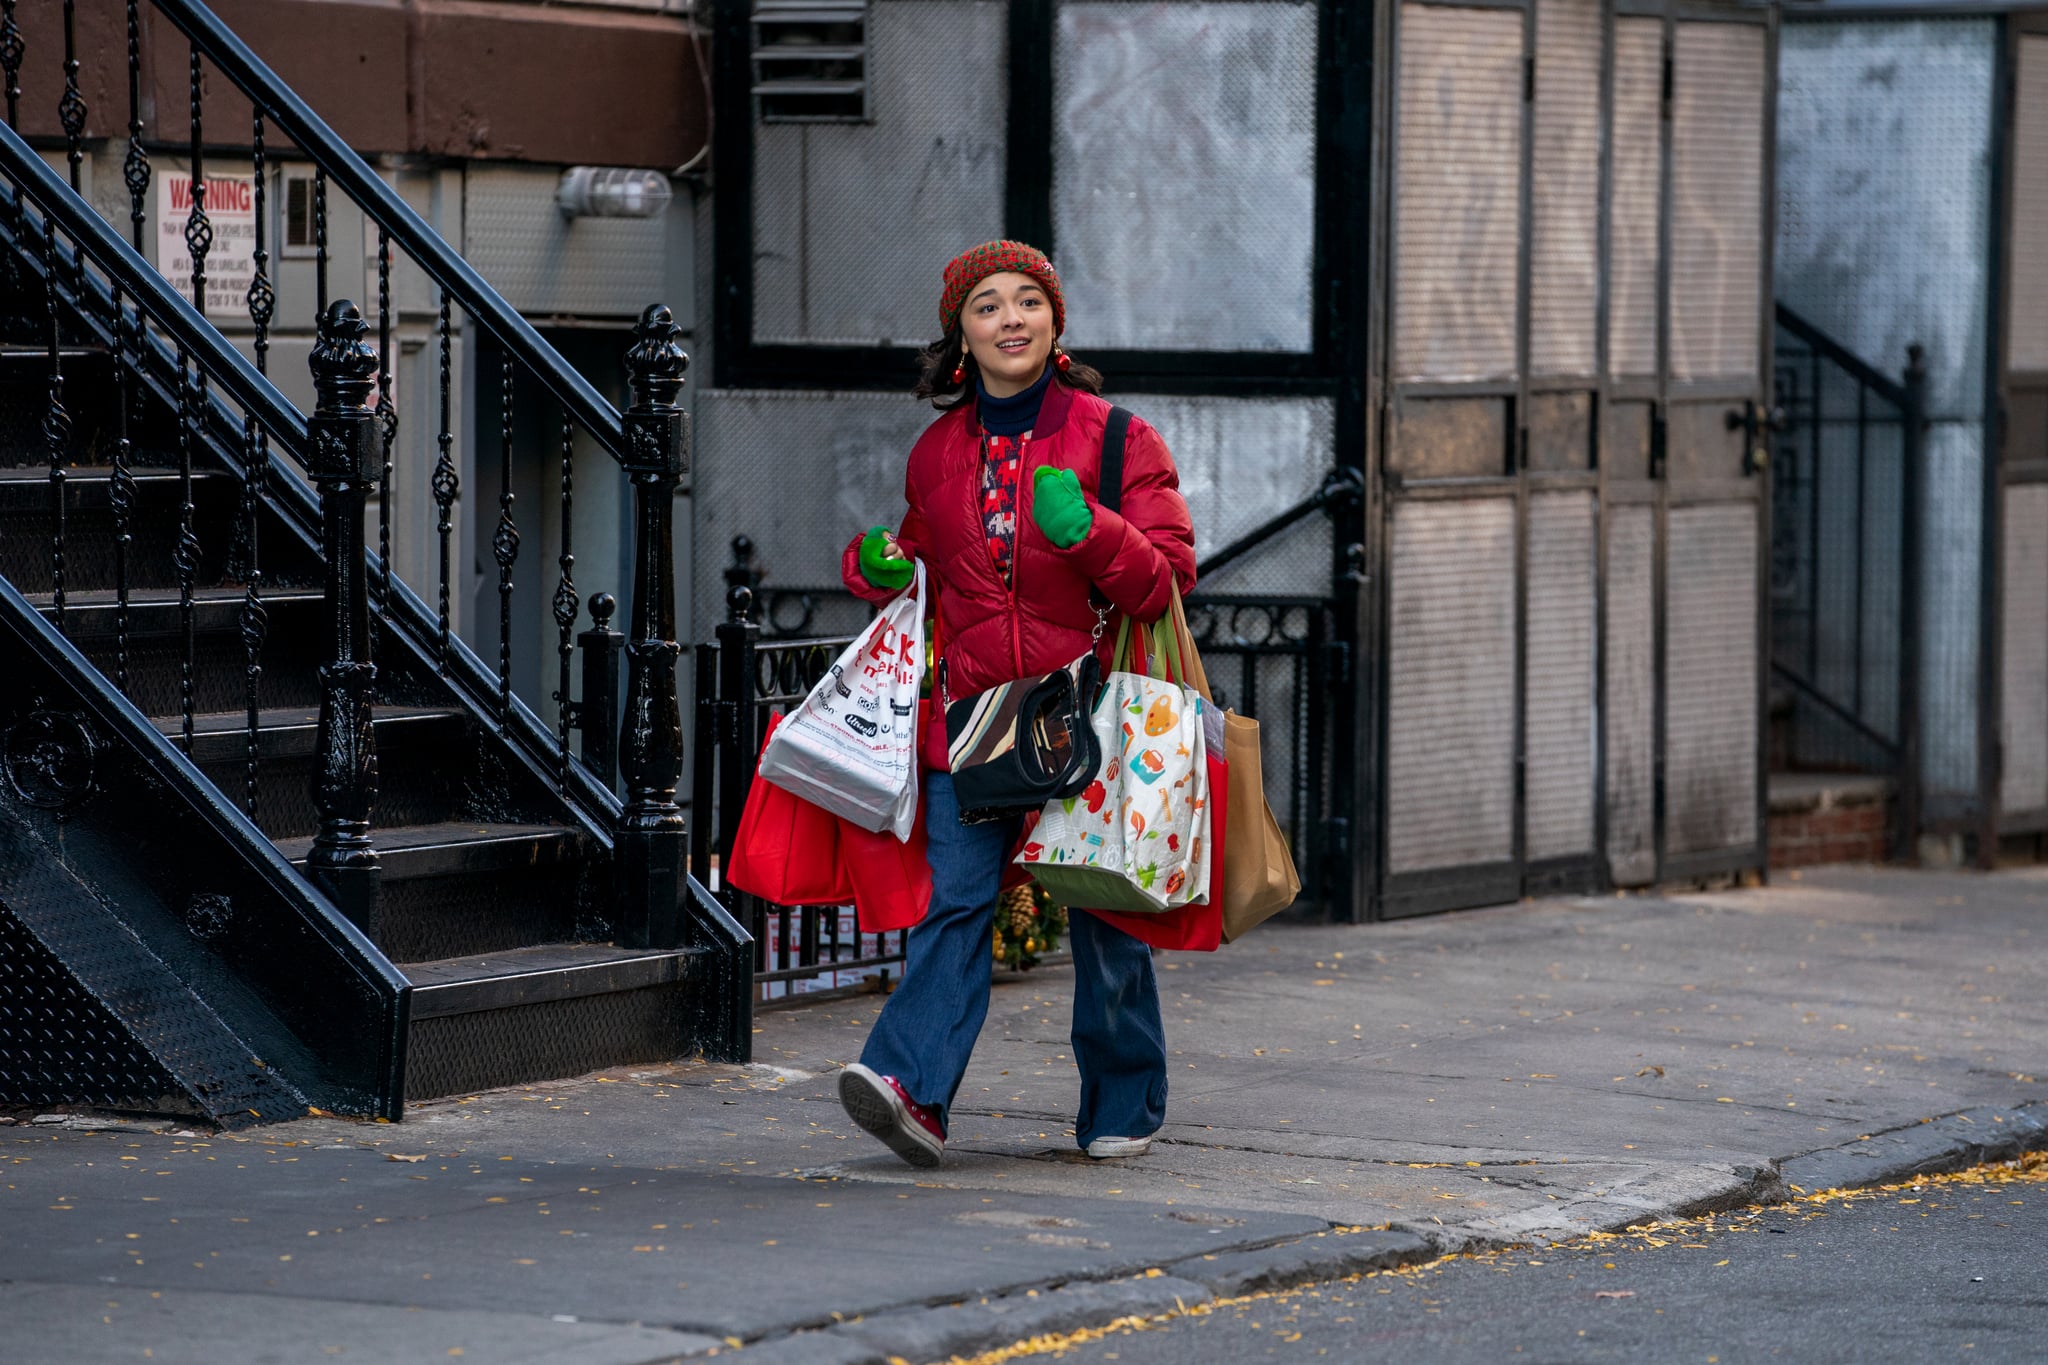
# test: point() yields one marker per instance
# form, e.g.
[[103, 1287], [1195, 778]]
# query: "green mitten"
[[1060, 508], [893, 574]]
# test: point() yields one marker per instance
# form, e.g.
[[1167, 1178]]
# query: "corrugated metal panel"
[[1631, 696], [1564, 228], [1638, 124], [853, 222], [2023, 646], [544, 263], [1451, 702], [1559, 705], [1458, 179], [1717, 188], [1178, 124], [2028, 285], [1710, 709]]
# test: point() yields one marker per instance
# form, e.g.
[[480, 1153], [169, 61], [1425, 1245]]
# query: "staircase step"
[[537, 1013], [290, 732], [456, 847], [92, 614], [535, 975]]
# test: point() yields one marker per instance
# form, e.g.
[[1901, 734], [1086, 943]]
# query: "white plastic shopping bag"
[[1135, 839], [851, 745]]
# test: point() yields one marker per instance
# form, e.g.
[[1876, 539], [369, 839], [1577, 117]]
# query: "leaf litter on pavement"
[[1686, 1234]]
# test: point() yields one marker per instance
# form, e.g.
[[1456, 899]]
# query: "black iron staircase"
[[330, 799]]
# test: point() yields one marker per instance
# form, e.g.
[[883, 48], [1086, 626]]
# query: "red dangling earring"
[[1061, 360], [960, 371]]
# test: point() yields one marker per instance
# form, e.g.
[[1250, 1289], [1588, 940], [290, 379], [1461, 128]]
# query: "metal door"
[[1572, 519]]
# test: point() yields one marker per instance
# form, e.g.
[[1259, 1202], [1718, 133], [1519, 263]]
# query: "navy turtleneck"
[[1015, 415]]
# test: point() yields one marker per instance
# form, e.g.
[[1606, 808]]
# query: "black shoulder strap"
[[1109, 487]]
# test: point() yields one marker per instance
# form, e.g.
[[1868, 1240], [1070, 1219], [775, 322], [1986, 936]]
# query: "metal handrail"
[[1338, 485], [382, 204], [1865, 374], [175, 316]]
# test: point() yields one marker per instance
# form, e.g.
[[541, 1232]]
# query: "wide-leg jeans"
[[927, 1029]]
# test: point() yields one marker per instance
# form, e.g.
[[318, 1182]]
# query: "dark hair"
[[936, 362]]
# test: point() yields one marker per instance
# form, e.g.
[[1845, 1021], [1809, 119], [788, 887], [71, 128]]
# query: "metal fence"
[[1845, 562]]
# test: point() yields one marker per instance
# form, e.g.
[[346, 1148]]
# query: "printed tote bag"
[[851, 745]]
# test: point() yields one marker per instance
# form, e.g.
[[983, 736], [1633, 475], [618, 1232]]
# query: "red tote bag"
[[1191, 928], [787, 850], [891, 881]]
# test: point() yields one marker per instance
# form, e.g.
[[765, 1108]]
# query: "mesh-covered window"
[[854, 222], [1184, 136], [1717, 147], [1632, 270], [1564, 231], [1457, 193], [2028, 328]]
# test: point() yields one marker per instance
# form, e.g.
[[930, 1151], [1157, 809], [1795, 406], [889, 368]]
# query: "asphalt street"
[[1946, 1270]]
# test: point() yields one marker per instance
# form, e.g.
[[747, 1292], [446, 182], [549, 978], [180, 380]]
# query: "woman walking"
[[1005, 510]]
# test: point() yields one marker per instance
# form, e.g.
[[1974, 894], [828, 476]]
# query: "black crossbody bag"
[[1019, 745]]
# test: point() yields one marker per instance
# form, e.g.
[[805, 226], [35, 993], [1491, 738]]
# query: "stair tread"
[[287, 718], [540, 957], [404, 839], [537, 975]]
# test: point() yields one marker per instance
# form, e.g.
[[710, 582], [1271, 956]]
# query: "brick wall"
[[1859, 833]]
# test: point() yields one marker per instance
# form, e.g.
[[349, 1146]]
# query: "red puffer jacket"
[[992, 632]]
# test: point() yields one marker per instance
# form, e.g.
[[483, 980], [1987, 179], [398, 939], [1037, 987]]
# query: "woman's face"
[[1008, 322]]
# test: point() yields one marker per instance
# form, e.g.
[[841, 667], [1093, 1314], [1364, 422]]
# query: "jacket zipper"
[[1017, 560]]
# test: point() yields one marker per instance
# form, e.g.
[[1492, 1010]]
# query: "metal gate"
[[1571, 518], [1845, 565]]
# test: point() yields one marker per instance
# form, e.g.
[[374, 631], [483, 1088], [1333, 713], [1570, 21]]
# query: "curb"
[[914, 1336]]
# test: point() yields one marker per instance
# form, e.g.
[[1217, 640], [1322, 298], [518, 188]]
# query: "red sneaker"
[[882, 1106]]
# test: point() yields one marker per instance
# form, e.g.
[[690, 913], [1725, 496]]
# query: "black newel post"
[[650, 845], [347, 462]]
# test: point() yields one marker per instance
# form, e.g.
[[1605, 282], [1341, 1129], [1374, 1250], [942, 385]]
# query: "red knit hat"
[[976, 264]]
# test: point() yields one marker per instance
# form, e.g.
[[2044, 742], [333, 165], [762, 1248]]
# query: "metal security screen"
[[1564, 227], [852, 222], [1457, 193], [1717, 189], [1184, 140], [1710, 672], [2027, 285], [1634, 213], [2023, 719], [1562, 687], [1451, 696], [1631, 712]]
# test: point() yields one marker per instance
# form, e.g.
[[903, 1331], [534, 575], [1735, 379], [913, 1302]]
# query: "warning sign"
[[230, 259]]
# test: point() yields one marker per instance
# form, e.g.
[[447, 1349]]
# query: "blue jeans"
[[927, 1029]]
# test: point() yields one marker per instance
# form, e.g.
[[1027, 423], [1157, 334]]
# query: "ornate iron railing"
[[743, 680], [1845, 562], [229, 418]]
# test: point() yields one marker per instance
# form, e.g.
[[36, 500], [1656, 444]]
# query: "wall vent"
[[811, 61]]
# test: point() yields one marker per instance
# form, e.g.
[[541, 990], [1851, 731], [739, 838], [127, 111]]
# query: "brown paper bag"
[[1259, 877]]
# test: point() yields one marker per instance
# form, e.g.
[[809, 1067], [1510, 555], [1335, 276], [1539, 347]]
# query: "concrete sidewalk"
[[1342, 1098]]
